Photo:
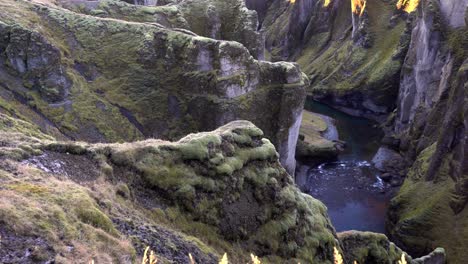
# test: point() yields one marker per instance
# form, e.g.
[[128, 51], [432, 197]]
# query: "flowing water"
[[355, 196]]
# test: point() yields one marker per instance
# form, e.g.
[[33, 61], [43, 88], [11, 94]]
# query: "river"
[[355, 196]]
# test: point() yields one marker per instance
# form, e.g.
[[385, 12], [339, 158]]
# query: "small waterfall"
[[419, 88], [355, 21], [146, 2], [423, 64]]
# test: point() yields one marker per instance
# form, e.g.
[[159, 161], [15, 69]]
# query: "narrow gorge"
[[233, 131]]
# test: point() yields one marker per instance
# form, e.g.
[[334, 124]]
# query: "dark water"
[[355, 196]]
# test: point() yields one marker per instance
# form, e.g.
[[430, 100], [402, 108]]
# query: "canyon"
[[203, 127]]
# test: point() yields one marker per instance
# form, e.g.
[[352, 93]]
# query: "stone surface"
[[370, 248], [391, 164]]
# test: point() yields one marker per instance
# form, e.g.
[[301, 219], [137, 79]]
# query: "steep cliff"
[[352, 54], [106, 79], [104, 72], [430, 123]]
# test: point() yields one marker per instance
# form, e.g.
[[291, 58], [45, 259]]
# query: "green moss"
[[198, 230], [123, 190], [28, 188], [197, 148], [425, 205], [338, 68], [458, 41], [94, 217], [367, 247]]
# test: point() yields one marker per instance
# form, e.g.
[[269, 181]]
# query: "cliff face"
[[353, 57], [427, 68], [214, 19], [108, 71], [431, 122], [106, 79]]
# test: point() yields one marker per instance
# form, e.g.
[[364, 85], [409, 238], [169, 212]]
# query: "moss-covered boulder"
[[369, 248], [227, 187], [318, 139], [231, 179]]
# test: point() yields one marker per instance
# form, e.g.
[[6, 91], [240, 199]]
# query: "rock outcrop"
[[391, 164], [225, 186], [107, 79], [318, 139], [367, 248], [427, 67], [214, 19], [370, 248], [206, 194]]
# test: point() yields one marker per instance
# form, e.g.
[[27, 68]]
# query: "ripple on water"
[[355, 196], [351, 189]]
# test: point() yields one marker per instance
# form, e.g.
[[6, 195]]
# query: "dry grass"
[[224, 260], [255, 259], [149, 257], [403, 259], [338, 259]]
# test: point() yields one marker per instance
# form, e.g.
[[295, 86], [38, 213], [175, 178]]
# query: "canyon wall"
[[352, 57], [431, 122]]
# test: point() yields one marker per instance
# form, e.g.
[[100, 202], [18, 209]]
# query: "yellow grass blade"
[[224, 260], [403, 259], [337, 256], [255, 259], [192, 261]]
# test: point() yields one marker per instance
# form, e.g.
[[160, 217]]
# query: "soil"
[[16, 248], [164, 243]]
